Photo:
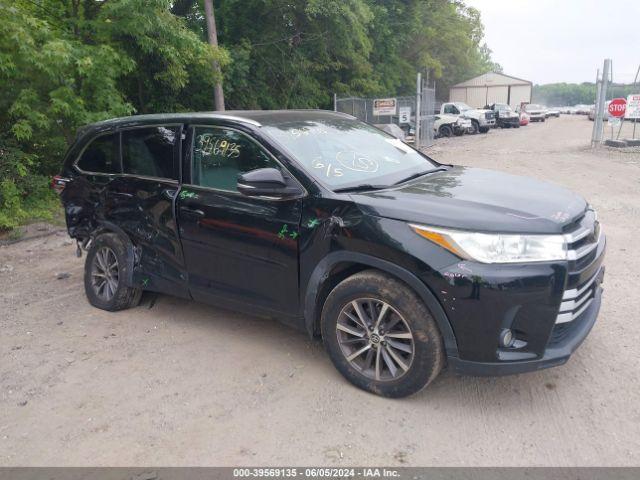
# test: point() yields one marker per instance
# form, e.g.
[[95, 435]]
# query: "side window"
[[101, 156], [220, 155], [450, 109], [149, 152]]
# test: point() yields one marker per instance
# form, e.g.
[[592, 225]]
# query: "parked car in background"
[[537, 113], [582, 109], [481, 120], [605, 116], [524, 119], [552, 112], [505, 116], [401, 265], [448, 125]]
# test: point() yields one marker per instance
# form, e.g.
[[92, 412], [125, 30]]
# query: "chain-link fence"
[[402, 114]]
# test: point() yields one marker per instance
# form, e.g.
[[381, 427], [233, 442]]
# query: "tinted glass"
[[220, 155], [149, 152], [345, 152], [101, 155]]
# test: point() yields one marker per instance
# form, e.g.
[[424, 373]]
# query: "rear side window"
[[149, 152], [101, 156], [220, 155]]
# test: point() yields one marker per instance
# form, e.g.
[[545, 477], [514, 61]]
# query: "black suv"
[[401, 264]]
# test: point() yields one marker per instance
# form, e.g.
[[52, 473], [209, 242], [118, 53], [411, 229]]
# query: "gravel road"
[[181, 383]]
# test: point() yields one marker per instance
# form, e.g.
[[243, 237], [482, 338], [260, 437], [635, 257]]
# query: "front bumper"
[[486, 122], [549, 308], [556, 353], [510, 121]]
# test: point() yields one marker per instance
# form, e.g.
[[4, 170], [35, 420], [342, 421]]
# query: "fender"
[[321, 272], [104, 227]]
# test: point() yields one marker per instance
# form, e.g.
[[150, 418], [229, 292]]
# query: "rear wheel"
[[105, 272], [380, 335]]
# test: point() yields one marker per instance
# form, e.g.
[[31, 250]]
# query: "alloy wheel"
[[105, 273], [375, 339]]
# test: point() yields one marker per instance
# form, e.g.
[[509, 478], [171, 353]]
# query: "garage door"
[[520, 93], [497, 95]]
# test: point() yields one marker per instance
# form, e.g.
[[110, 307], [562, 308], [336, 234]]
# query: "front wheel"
[[445, 131], [484, 129], [475, 127], [381, 336]]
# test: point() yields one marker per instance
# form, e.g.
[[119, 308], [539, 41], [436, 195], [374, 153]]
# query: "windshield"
[[503, 107], [533, 106], [462, 106], [344, 152]]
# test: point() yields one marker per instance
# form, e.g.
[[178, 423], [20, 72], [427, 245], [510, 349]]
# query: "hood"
[[477, 199]]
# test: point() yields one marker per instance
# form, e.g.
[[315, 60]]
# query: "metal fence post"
[[602, 96], [335, 102], [418, 100]]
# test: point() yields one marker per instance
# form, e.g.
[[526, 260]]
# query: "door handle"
[[192, 212]]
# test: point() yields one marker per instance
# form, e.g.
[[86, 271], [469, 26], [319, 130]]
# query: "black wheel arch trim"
[[321, 274], [108, 227]]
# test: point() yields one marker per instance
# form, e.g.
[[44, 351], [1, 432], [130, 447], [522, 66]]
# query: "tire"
[[483, 129], [417, 359], [104, 270], [475, 127], [445, 131], [458, 133]]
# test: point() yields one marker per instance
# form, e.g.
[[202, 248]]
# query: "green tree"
[[66, 63]]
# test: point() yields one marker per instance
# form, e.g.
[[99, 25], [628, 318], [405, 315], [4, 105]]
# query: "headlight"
[[496, 247]]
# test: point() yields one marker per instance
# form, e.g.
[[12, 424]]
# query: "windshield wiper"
[[420, 174], [360, 188]]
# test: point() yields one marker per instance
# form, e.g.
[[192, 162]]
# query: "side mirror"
[[267, 182]]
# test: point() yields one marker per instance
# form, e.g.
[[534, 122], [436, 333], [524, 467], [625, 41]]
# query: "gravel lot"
[[180, 383]]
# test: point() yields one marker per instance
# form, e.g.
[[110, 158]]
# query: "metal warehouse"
[[491, 88]]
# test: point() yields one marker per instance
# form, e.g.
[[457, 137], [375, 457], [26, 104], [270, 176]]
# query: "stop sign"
[[617, 107]]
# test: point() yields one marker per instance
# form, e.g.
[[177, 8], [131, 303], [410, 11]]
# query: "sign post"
[[404, 115], [617, 108], [384, 106]]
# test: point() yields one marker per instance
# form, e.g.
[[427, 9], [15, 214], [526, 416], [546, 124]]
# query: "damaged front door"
[[238, 250]]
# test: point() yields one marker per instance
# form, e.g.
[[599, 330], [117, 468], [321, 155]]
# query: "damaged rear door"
[[147, 189]]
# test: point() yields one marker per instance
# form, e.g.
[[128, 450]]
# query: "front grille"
[[582, 243], [585, 238], [576, 300], [489, 115]]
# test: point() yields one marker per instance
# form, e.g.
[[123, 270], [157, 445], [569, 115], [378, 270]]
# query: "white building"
[[492, 88]]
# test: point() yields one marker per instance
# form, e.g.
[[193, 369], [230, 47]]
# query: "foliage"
[[65, 63], [23, 194], [561, 94]]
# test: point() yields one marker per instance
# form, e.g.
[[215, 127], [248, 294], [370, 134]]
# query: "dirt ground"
[[180, 383]]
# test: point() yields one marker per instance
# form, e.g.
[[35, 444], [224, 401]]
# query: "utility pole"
[[596, 138], [218, 93], [418, 108]]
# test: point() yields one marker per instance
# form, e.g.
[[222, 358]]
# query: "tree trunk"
[[218, 93]]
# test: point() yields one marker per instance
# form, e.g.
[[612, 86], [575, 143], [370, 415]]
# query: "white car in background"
[[537, 113], [447, 125], [552, 112]]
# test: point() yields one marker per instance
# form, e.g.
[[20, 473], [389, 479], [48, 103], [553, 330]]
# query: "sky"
[[548, 41]]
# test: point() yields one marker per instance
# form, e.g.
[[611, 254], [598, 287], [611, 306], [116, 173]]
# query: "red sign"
[[617, 107]]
